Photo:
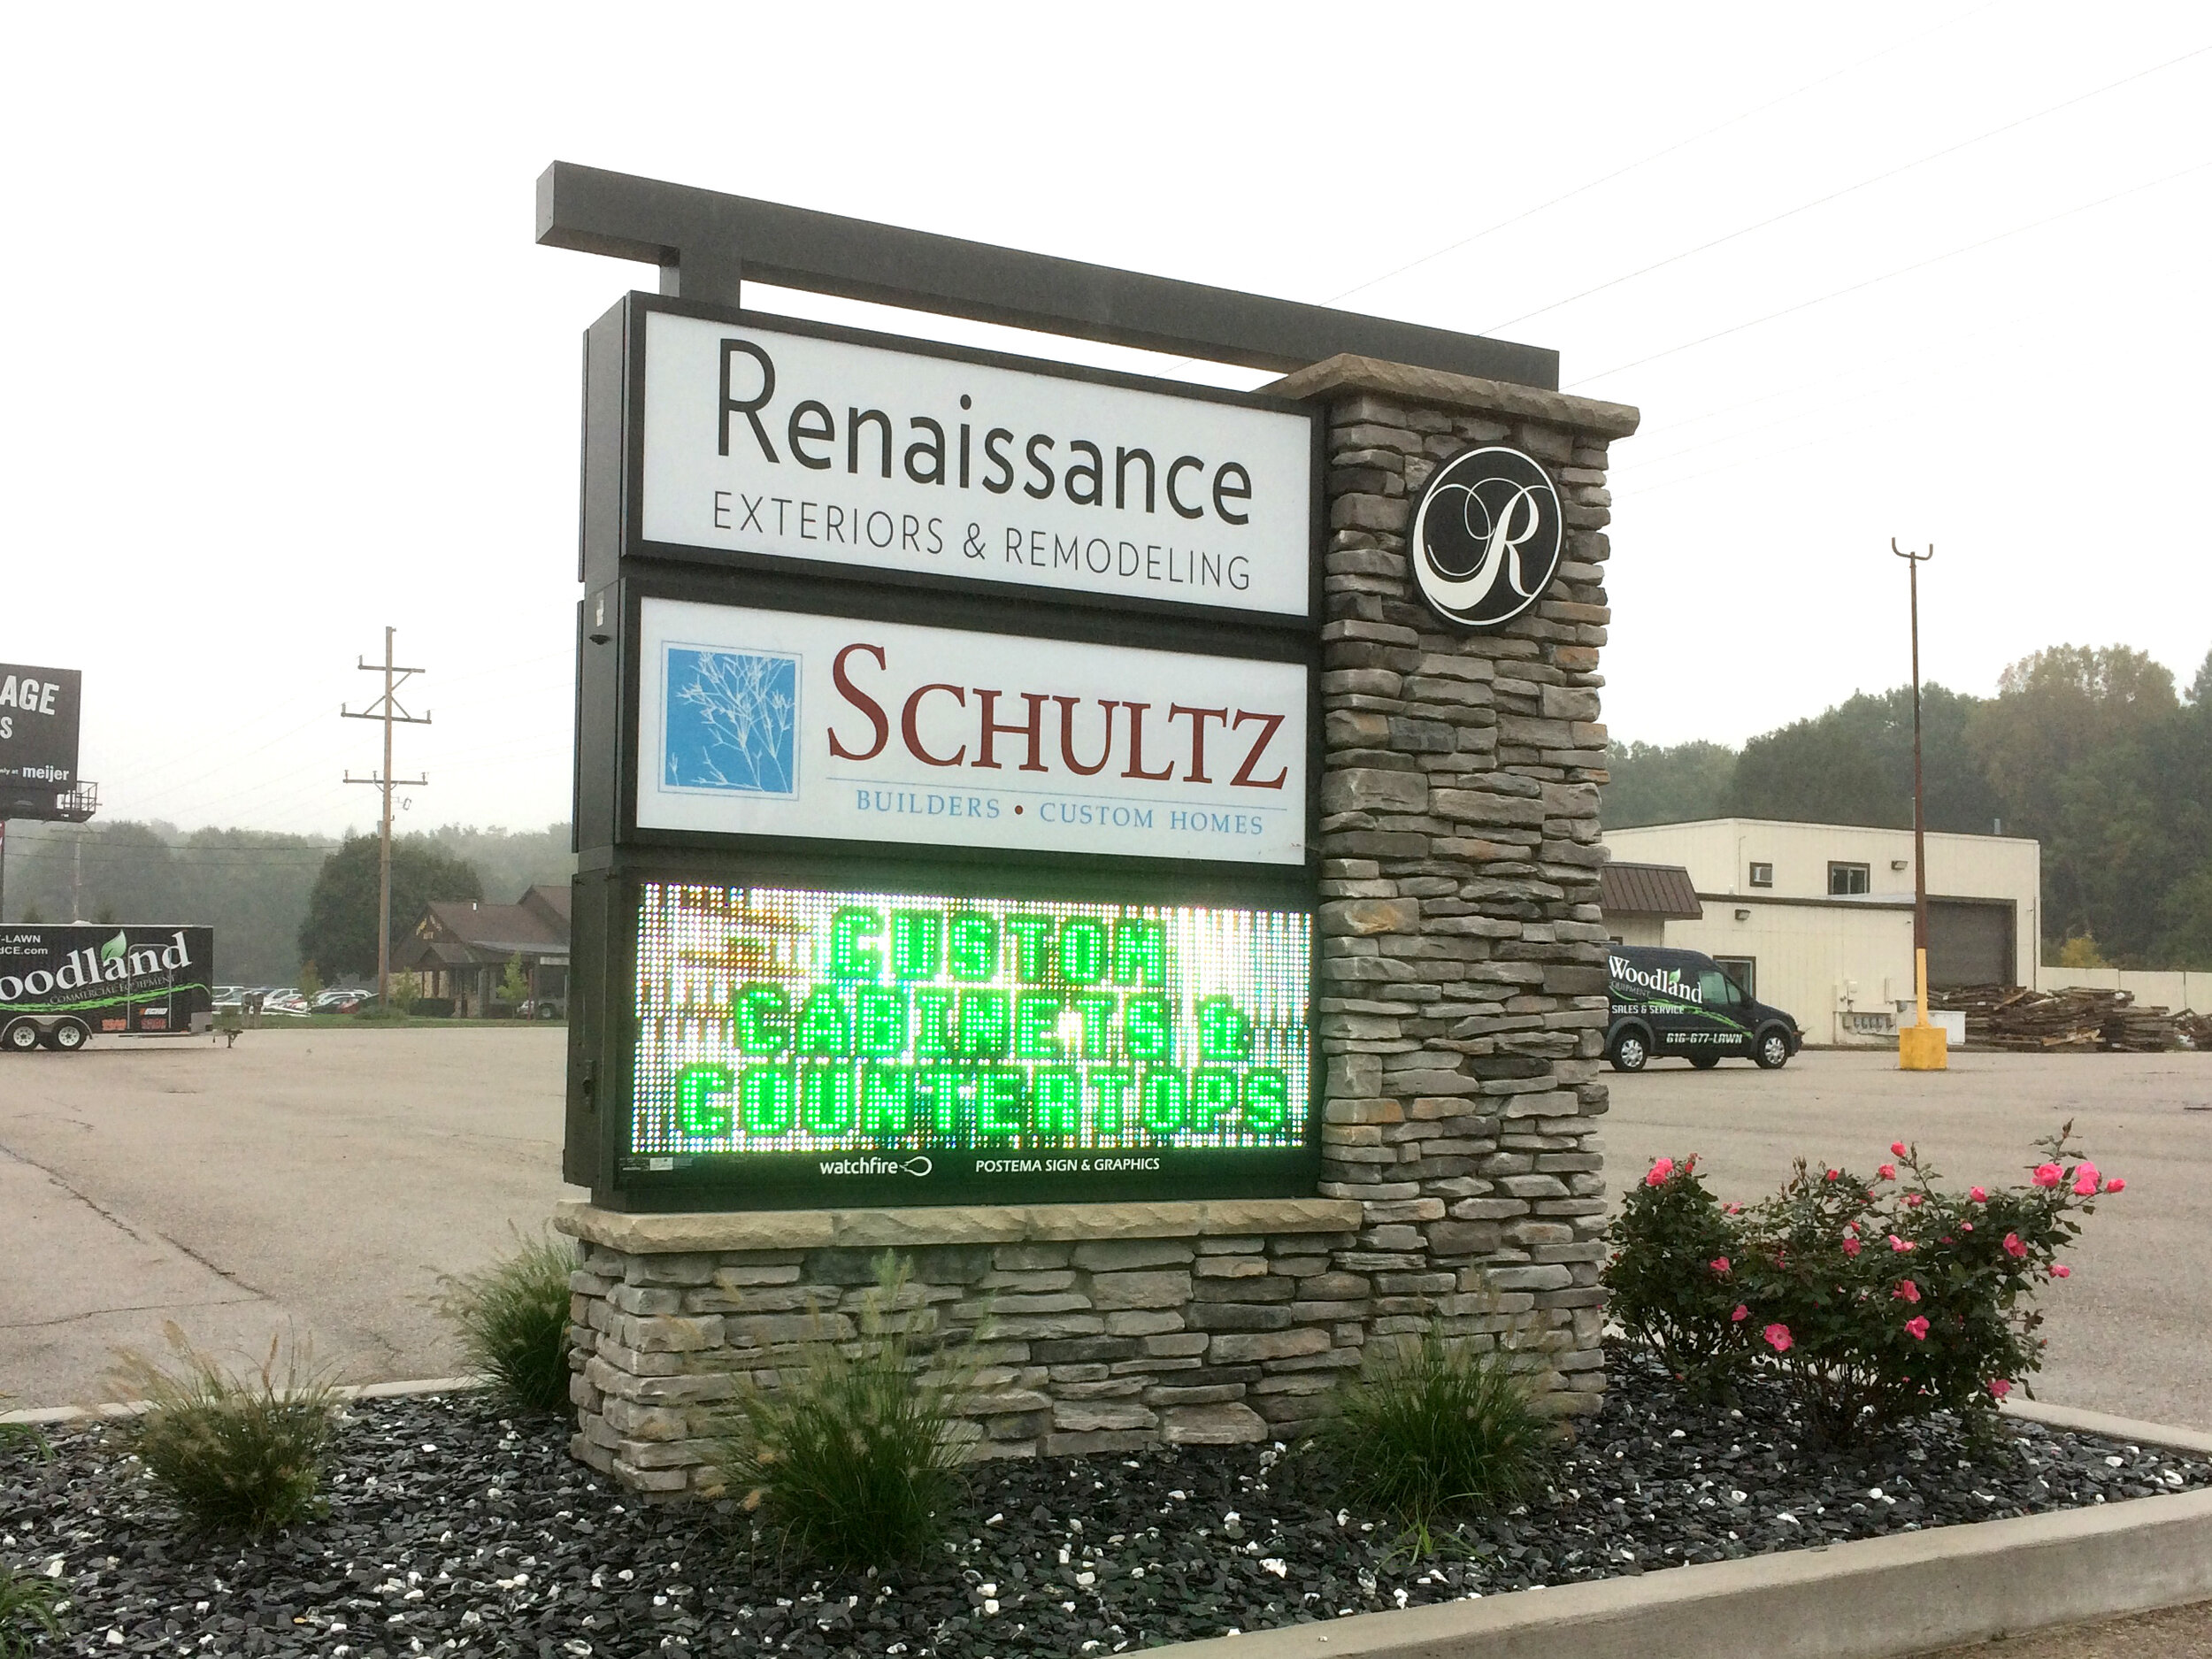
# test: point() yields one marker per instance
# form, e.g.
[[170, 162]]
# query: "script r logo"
[[1488, 537], [730, 721]]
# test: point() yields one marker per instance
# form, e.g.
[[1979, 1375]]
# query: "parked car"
[[543, 1008], [341, 1000], [1683, 1003]]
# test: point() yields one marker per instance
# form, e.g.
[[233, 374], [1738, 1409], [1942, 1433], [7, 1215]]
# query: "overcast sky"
[[284, 365]]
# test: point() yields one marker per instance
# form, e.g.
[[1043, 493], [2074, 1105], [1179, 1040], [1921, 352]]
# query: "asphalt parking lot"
[[326, 1178], [321, 1180]]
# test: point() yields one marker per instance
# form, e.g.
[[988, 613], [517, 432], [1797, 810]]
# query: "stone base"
[[1923, 1048], [1100, 1328]]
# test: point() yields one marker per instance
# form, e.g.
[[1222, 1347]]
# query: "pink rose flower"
[[2000, 1387], [1741, 1315], [2115, 1184], [1912, 1201], [2012, 1247], [1898, 1147], [2059, 1269], [1658, 1172], [1906, 1291], [1732, 1209], [1719, 1264], [1835, 1175], [1851, 1247], [1887, 1173], [1978, 1195], [2086, 1187], [1966, 1226], [1899, 1245], [1918, 1325], [2048, 1175], [1777, 1337]]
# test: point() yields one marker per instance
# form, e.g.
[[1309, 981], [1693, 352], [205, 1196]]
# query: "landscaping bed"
[[452, 1529]]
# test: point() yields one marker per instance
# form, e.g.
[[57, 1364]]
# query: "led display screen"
[[909, 1049]]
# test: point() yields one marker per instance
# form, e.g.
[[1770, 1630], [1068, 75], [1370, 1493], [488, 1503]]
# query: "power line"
[[1848, 189], [1907, 270], [1658, 155]]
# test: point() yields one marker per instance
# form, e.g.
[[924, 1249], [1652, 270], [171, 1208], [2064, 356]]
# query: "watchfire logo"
[[1487, 536]]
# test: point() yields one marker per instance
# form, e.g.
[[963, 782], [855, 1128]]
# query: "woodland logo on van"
[[1658, 982]]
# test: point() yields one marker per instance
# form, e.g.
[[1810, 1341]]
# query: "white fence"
[[2175, 990]]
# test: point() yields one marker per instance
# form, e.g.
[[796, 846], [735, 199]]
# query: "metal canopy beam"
[[706, 242]]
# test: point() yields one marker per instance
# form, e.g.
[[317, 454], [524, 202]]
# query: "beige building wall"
[[1841, 969], [1719, 853]]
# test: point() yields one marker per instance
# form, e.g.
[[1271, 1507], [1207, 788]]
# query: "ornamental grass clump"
[[853, 1458], [29, 1606], [236, 1454], [1431, 1430], [1874, 1300], [513, 1321]]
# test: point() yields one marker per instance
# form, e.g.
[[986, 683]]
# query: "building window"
[[1745, 971], [1762, 875], [1847, 880]]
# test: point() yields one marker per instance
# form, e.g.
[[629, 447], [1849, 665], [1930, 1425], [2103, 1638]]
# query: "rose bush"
[[1876, 1301]]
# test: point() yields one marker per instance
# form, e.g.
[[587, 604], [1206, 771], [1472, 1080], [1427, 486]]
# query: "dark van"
[[1681, 1002]]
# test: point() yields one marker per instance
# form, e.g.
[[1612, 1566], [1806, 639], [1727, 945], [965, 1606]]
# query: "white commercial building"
[[1817, 918]]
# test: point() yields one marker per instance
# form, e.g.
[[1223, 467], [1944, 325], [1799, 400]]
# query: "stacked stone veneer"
[[1462, 1013]]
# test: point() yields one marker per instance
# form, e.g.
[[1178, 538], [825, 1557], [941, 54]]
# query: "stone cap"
[[1437, 389], [684, 1234]]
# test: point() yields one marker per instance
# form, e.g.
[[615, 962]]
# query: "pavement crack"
[[143, 1307], [117, 1221]]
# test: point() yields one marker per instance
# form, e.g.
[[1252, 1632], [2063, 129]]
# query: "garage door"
[[1970, 944]]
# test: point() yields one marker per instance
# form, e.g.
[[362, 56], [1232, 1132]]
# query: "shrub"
[[853, 1458], [1874, 1301], [28, 1608], [512, 1320], [236, 1455], [1682, 1317], [1430, 1429]]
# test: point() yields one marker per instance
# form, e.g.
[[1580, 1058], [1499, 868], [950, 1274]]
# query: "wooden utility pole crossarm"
[[388, 709]]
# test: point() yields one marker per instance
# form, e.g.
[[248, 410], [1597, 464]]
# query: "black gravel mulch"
[[452, 1530]]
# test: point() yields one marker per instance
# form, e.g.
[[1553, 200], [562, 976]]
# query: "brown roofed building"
[[1639, 900], [461, 949]]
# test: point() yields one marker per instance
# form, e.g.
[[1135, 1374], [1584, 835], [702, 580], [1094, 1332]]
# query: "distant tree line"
[[2093, 752], [277, 902]]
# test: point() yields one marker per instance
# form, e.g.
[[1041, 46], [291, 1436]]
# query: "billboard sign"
[[766, 437], [809, 1046], [38, 726], [770, 723]]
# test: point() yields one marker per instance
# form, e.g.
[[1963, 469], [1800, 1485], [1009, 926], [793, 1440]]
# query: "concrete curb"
[[42, 1416], [1876, 1598], [2127, 1430]]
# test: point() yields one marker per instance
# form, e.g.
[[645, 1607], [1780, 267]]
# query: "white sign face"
[[770, 723], [764, 442]]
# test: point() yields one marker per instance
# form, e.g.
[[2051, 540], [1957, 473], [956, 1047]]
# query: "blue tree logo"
[[731, 721]]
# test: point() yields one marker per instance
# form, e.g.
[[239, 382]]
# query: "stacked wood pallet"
[[2196, 1029], [2134, 1030], [2039, 1022]]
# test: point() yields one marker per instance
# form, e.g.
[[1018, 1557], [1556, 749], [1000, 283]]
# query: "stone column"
[[1463, 984]]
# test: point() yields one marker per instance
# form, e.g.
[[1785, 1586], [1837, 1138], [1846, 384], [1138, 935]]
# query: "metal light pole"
[[1921, 1046]]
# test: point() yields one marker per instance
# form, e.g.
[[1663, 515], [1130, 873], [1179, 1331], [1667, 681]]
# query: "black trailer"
[[61, 985]]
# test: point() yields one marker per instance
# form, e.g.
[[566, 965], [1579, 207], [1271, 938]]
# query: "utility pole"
[[1921, 1046], [388, 709]]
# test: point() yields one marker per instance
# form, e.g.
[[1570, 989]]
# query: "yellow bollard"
[[1920, 1046]]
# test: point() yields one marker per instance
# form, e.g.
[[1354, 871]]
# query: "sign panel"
[[1487, 536], [770, 723], [840, 1048], [38, 725], [763, 437]]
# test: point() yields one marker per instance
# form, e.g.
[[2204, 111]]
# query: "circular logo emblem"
[[1487, 537]]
